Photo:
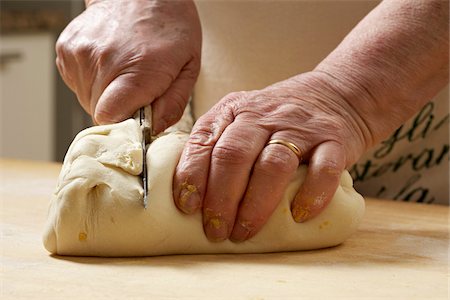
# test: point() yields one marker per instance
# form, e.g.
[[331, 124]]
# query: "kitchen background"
[[39, 115]]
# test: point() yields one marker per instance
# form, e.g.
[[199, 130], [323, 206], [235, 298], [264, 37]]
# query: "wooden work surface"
[[399, 252]]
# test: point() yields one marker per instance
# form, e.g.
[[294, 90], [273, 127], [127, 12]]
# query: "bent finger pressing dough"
[[97, 207]]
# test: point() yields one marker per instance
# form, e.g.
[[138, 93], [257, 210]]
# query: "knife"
[[145, 122]]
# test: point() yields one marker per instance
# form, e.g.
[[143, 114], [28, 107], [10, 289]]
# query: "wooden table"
[[400, 252]]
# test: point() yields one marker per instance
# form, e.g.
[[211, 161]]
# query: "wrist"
[[391, 64], [367, 106]]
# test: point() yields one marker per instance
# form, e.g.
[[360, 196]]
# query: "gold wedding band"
[[290, 145]]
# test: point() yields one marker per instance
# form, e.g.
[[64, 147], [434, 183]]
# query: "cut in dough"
[[97, 208]]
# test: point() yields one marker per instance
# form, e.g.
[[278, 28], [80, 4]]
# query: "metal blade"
[[144, 158]]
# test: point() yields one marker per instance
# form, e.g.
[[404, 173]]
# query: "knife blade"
[[145, 114]]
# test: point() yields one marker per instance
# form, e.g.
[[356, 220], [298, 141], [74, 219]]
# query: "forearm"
[[391, 64]]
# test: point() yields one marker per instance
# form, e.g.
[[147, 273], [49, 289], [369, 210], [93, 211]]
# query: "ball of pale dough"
[[97, 207]]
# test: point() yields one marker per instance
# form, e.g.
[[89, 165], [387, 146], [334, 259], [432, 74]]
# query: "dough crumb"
[[216, 223], [186, 190]]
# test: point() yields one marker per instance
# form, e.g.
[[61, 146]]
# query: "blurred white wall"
[[27, 105], [39, 115]]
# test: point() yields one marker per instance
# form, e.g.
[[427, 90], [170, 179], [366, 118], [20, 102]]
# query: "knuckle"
[[273, 161], [59, 65], [62, 42], [202, 136], [60, 47], [329, 167], [231, 99], [101, 52], [82, 50], [192, 163], [229, 155], [89, 49]]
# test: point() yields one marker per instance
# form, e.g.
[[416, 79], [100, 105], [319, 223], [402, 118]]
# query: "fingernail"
[[189, 200], [216, 229], [300, 213], [241, 231]]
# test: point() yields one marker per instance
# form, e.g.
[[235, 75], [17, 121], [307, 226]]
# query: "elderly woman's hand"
[[229, 170], [118, 56]]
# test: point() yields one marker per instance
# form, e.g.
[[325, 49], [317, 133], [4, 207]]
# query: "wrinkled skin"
[[226, 159], [118, 56]]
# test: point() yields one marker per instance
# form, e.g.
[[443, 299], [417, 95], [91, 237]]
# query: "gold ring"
[[290, 145]]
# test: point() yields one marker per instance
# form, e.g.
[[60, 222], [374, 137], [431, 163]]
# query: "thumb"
[[124, 96], [169, 107]]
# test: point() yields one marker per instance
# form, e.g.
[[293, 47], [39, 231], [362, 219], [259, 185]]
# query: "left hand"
[[229, 171]]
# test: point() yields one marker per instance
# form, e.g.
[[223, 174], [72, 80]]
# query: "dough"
[[97, 208]]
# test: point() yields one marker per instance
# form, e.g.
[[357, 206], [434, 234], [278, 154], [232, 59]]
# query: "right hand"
[[118, 56]]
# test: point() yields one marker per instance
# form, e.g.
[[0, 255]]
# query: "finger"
[[125, 95], [232, 160], [61, 63], [322, 179], [62, 71], [191, 174], [68, 67], [271, 175], [168, 108]]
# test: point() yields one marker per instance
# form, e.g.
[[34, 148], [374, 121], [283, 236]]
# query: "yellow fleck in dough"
[[82, 236], [324, 224]]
